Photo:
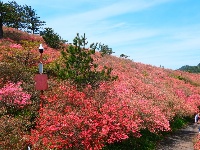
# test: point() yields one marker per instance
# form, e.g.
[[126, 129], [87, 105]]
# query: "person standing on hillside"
[[196, 120]]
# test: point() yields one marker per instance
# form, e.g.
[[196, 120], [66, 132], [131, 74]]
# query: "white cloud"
[[89, 21], [102, 21]]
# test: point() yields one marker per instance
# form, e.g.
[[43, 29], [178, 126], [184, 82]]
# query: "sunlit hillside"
[[142, 98]]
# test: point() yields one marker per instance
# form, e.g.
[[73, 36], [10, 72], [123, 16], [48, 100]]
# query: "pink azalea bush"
[[13, 95], [143, 97], [73, 119], [12, 131], [15, 46], [17, 35], [161, 86], [19, 45]]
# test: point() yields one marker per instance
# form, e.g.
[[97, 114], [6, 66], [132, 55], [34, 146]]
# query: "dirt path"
[[181, 140]]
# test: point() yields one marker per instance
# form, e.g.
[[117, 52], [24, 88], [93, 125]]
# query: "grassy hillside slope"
[[144, 100]]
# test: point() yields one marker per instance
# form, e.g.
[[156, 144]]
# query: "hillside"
[[143, 101], [191, 69]]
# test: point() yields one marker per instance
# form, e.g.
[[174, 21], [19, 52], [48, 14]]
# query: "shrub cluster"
[[79, 66], [90, 108]]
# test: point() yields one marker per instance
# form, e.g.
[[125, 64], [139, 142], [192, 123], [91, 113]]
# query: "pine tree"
[[31, 20], [13, 15], [80, 68], [19, 17], [1, 24], [52, 38], [3, 10]]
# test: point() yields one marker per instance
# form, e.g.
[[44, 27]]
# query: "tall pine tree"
[[1, 24], [3, 10], [19, 17], [32, 22]]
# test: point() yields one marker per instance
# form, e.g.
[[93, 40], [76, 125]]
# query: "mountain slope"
[[192, 69], [144, 97]]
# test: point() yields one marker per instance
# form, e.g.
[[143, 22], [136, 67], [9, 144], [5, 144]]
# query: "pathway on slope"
[[181, 140]]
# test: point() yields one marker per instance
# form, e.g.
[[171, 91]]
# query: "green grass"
[[148, 140]]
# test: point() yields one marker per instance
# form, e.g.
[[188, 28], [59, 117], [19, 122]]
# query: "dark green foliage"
[[19, 17], [4, 13], [8, 11], [31, 20], [146, 142], [52, 38], [124, 56], [14, 72], [14, 18], [186, 80], [12, 15], [178, 122], [1, 19], [104, 49], [191, 69], [79, 65]]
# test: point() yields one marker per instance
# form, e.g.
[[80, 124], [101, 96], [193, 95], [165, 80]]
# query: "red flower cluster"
[[13, 95], [73, 120]]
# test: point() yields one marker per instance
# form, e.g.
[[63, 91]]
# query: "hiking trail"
[[182, 139]]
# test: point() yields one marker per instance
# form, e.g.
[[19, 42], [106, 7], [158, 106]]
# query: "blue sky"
[[155, 32]]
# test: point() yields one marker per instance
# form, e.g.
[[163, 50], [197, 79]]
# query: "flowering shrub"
[[71, 119], [23, 48], [17, 35], [139, 81], [15, 46], [90, 119], [12, 131], [12, 95], [142, 98]]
